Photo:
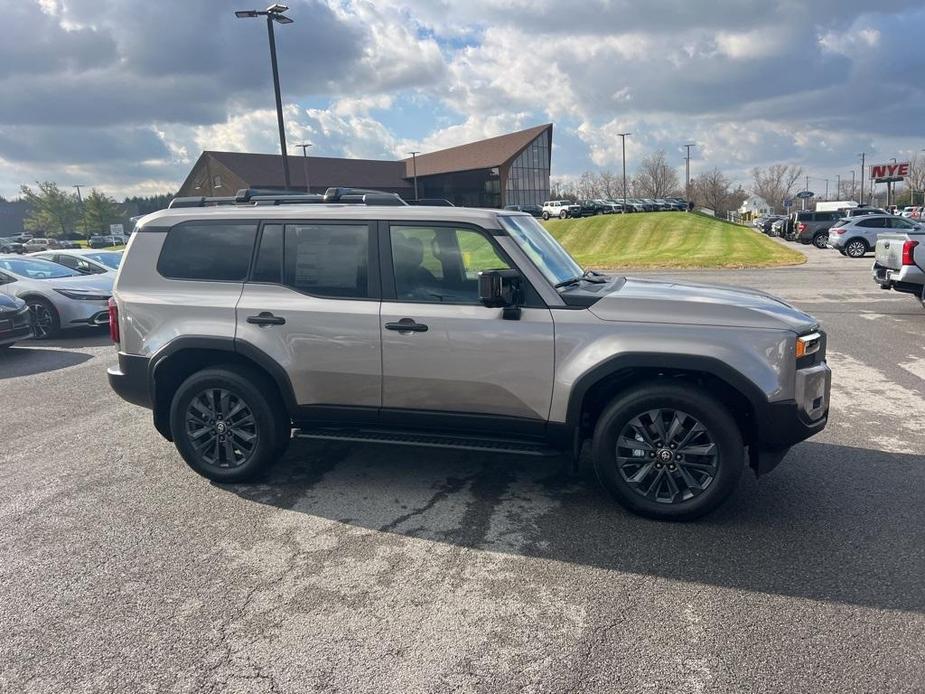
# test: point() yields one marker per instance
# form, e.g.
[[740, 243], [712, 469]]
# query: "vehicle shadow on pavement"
[[20, 360], [832, 523], [75, 337]]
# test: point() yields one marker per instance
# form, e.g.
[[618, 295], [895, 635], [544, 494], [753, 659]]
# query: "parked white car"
[[57, 296], [85, 261]]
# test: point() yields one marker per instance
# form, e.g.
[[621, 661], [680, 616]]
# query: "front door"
[[311, 304], [443, 352]]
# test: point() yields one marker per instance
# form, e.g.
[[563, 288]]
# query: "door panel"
[[469, 360], [330, 348], [461, 357]]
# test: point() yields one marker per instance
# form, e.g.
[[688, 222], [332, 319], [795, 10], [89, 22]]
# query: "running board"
[[465, 443]]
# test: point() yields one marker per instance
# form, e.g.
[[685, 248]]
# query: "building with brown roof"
[[511, 169]]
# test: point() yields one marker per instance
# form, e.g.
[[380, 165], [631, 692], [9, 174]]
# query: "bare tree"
[[561, 189], [655, 178], [587, 187], [713, 190], [776, 183], [916, 179]]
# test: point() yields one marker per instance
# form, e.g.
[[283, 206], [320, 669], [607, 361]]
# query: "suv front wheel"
[[668, 452], [227, 425]]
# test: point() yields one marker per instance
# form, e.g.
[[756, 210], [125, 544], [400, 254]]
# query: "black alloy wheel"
[[667, 456], [221, 427], [44, 318]]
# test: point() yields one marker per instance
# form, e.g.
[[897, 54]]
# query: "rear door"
[[311, 304], [444, 354]]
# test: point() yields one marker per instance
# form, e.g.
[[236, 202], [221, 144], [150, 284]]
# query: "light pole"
[[80, 199], [623, 144], [863, 156], [274, 13], [305, 146], [687, 171], [853, 183], [826, 189], [837, 186], [414, 170]]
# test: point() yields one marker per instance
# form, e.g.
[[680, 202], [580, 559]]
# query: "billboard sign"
[[890, 172]]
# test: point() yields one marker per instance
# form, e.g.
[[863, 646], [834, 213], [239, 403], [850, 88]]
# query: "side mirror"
[[501, 289]]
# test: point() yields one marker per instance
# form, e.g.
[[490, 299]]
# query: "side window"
[[899, 223], [440, 264], [268, 267], [877, 223], [217, 252], [68, 261], [328, 260]]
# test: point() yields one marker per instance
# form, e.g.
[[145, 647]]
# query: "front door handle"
[[407, 325], [266, 318]]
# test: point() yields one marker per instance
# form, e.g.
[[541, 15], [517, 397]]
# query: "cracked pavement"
[[384, 569]]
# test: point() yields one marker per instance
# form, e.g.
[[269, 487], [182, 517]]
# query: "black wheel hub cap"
[[667, 456], [41, 319], [221, 428]]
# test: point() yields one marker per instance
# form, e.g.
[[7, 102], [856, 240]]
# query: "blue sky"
[[124, 95]]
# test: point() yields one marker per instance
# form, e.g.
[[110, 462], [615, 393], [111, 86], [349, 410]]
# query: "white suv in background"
[[561, 209]]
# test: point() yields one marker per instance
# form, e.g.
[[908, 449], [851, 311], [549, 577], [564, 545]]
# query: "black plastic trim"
[[130, 380]]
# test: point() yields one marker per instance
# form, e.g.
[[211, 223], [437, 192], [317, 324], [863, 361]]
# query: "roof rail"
[[254, 196]]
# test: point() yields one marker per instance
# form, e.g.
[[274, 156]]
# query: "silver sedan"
[[57, 296]]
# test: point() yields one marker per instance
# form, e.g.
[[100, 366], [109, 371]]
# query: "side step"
[[465, 443]]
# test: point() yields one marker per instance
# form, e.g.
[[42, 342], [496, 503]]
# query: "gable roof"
[[483, 154], [266, 170]]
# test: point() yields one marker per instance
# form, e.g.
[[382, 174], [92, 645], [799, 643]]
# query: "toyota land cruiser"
[[351, 316]]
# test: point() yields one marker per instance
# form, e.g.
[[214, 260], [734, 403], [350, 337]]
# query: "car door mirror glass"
[[500, 288]]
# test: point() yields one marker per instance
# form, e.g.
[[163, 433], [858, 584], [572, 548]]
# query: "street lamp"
[[687, 171], [414, 165], [623, 144], [305, 146], [274, 13]]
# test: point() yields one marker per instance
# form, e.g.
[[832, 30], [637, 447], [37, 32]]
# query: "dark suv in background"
[[812, 227]]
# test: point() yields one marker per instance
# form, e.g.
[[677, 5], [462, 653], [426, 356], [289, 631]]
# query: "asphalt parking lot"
[[380, 569]]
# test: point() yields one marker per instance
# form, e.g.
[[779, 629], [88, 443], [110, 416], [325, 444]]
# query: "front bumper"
[[74, 312], [130, 380], [15, 326], [783, 424]]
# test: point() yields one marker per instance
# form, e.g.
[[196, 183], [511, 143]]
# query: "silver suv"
[[240, 319]]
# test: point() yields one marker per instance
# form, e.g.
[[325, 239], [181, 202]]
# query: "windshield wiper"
[[587, 276]]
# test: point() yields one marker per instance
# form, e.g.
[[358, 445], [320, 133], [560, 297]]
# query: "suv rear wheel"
[[545, 215], [668, 452], [856, 248], [563, 214], [821, 239], [226, 426]]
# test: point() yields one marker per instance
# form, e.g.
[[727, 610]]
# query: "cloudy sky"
[[124, 94]]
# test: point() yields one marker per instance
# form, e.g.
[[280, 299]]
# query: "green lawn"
[[667, 240]]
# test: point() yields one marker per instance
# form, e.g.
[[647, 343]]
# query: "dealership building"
[[510, 169]]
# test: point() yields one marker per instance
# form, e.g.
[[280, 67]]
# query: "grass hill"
[[668, 240]]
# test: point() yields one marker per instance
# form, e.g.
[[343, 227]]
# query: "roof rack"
[[254, 196]]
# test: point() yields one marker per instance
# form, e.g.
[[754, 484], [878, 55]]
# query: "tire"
[[821, 240], [718, 471], [856, 248], [45, 318], [842, 251], [545, 215], [201, 400], [563, 214]]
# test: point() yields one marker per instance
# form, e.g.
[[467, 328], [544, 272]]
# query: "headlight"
[[808, 344], [83, 295]]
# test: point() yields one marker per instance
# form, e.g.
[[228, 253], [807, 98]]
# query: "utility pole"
[[803, 200], [863, 156], [687, 171], [80, 199], [837, 186], [274, 13], [414, 165], [826, 189], [623, 145], [853, 183], [305, 146]]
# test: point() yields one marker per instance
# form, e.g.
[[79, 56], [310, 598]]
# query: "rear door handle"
[[266, 318], [407, 325]]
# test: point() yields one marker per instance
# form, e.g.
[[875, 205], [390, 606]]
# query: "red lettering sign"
[[891, 170]]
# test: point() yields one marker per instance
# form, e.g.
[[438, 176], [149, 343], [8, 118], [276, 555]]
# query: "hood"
[[656, 301], [101, 283]]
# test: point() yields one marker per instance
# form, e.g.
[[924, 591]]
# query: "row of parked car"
[[853, 231], [46, 292], [26, 243], [564, 209]]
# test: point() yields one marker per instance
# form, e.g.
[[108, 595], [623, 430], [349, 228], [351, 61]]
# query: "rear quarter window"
[[217, 252]]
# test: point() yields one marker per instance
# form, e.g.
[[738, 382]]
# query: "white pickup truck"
[[900, 263]]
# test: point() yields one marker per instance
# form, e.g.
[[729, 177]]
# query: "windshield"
[[36, 269], [107, 258], [549, 257]]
